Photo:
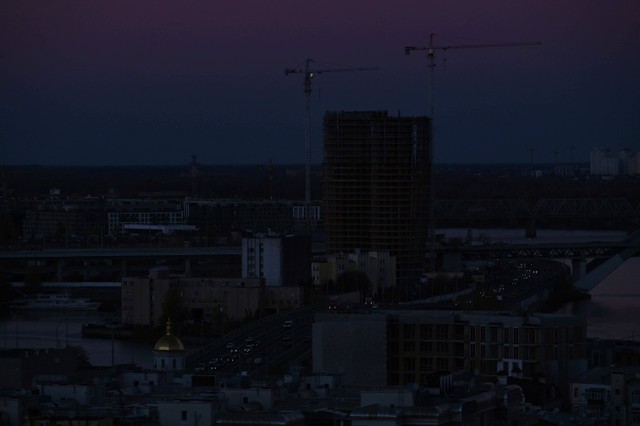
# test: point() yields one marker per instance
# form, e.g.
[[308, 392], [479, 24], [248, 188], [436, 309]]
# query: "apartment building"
[[281, 260], [415, 344]]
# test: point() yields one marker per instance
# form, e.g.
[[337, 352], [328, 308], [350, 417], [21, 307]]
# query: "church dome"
[[169, 342]]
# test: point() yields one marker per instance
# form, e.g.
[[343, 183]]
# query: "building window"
[[443, 332], [426, 364], [442, 347], [409, 331], [426, 347], [443, 364], [183, 415], [409, 364], [425, 332], [494, 334]]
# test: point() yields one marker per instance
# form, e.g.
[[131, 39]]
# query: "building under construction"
[[377, 172]]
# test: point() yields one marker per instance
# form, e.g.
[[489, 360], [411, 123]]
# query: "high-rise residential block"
[[377, 172]]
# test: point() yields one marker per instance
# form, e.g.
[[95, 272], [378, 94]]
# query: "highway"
[[279, 346]]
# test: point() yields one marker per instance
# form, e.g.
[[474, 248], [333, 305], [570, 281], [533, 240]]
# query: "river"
[[614, 309], [51, 329]]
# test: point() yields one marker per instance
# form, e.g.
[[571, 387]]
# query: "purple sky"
[[123, 82]]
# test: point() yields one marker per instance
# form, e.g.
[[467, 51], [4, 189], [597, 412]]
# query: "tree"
[[353, 281]]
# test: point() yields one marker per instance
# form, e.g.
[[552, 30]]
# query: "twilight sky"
[[151, 82]]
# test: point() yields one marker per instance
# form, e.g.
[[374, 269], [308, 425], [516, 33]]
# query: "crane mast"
[[430, 52], [309, 73]]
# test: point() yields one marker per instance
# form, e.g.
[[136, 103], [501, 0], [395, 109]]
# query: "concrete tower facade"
[[376, 188]]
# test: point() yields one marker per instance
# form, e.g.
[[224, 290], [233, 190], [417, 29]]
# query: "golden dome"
[[169, 342]]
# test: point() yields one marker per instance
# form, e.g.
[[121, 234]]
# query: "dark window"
[[409, 346]]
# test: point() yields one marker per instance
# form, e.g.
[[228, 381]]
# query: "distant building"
[[143, 212], [210, 299], [216, 217], [376, 187], [378, 266], [604, 163], [60, 222], [566, 170], [279, 260], [142, 297]]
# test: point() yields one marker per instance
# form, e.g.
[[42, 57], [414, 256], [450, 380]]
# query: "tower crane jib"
[[431, 50], [310, 73]]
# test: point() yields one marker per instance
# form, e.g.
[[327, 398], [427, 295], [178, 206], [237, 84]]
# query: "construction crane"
[[309, 73], [431, 50]]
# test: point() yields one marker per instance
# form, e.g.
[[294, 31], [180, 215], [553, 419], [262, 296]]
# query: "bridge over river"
[[59, 265]]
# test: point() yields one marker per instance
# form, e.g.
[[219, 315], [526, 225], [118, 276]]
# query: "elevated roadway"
[[630, 249]]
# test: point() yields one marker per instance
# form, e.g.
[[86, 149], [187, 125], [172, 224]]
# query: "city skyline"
[[154, 83]]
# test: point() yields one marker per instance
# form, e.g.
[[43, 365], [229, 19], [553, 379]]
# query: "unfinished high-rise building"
[[377, 172]]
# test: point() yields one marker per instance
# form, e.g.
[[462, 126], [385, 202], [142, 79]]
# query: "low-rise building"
[[610, 395], [20, 366], [409, 346], [199, 410], [142, 297]]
